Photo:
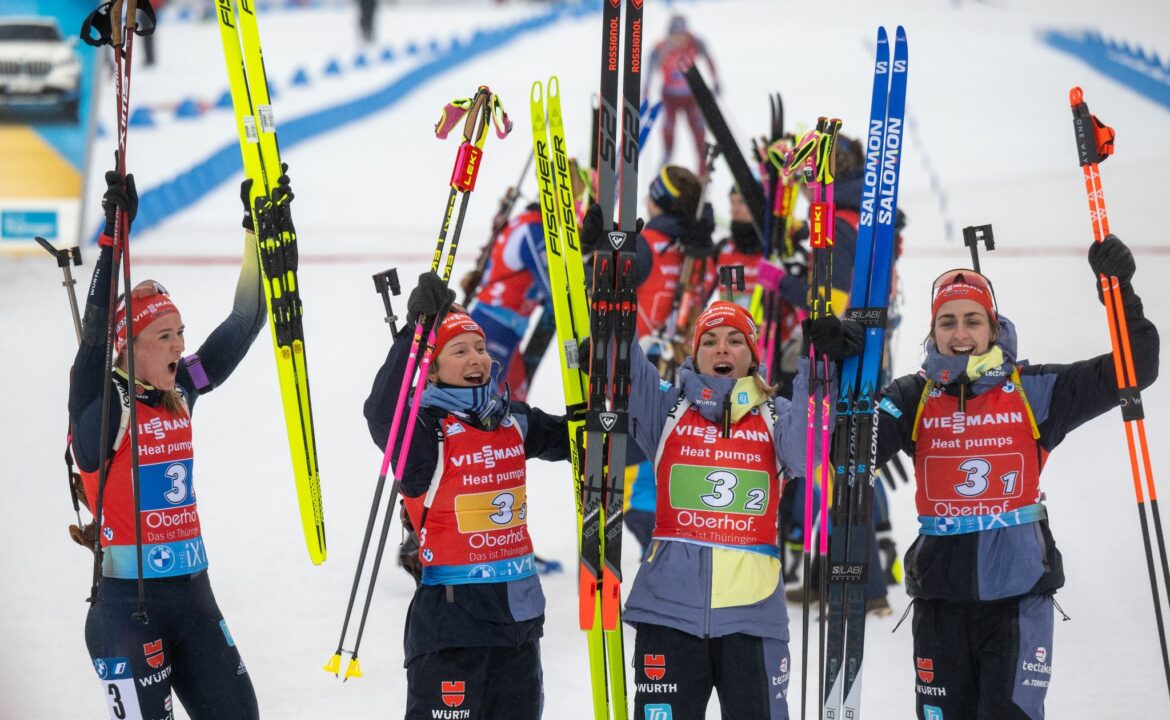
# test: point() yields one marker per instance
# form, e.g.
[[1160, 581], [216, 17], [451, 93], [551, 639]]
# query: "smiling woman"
[[478, 611], [980, 427]]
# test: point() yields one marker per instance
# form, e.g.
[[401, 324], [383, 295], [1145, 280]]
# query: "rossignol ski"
[[613, 317], [571, 312], [854, 439], [276, 241]]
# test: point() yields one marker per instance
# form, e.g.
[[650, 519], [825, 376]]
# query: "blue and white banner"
[[46, 93]]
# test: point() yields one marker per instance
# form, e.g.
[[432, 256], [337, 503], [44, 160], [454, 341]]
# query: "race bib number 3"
[[498, 510], [740, 492]]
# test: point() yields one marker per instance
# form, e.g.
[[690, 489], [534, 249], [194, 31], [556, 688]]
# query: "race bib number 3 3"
[[740, 492], [498, 510]]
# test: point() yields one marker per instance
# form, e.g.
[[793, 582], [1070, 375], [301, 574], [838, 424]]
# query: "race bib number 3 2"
[[740, 492]]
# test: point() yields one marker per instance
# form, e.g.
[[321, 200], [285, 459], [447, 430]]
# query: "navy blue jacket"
[[969, 567], [507, 614]]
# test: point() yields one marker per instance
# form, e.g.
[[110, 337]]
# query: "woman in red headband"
[[708, 603], [474, 626], [155, 626], [980, 425]]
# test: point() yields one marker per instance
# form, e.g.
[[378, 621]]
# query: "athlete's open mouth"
[[473, 378], [172, 367], [724, 369], [962, 349]]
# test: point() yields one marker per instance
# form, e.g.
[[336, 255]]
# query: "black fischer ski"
[[855, 434]]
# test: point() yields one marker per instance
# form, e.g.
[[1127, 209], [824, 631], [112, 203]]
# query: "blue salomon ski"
[[855, 434]]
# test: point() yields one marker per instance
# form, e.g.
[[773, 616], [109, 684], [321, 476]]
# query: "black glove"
[[585, 354], [429, 298], [696, 237], [1112, 258], [833, 337], [593, 229], [282, 196], [283, 193], [120, 195], [246, 200]]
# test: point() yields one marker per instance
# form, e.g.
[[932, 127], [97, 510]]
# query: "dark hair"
[[689, 190], [848, 156]]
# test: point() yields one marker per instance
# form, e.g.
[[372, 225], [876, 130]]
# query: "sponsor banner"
[[161, 560], [46, 113]]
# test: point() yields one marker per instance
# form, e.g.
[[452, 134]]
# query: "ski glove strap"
[[97, 29]]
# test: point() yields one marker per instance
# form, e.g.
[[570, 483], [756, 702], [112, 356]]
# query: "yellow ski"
[[571, 312], [276, 238]]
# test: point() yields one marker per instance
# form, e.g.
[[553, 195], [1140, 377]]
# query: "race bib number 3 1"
[[740, 492], [975, 479]]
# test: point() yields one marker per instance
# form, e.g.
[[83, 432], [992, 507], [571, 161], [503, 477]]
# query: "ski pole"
[[385, 283], [354, 667], [462, 180], [827, 169], [1094, 145], [121, 39], [66, 257]]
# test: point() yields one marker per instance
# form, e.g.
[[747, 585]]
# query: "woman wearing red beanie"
[[980, 425], [155, 625], [708, 602], [478, 612]]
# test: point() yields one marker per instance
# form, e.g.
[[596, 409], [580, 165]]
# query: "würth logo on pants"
[[453, 692], [925, 668], [154, 653], [654, 666]]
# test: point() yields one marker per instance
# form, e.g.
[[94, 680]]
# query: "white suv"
[[38, 67]]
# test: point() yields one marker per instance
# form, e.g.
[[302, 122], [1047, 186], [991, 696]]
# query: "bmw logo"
[[482, 571], [100, 666], [428, 555], [108, 532], [1009, 387], [161, 558], [946, 525]]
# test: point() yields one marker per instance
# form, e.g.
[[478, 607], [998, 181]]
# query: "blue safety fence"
[[188, 187], [187, 13], [1129, 64], [148, 115]]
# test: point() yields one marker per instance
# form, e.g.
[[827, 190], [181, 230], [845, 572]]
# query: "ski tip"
[[900, 34], [883, 38], [554, 86], [1076, 96], [334, 665], [537, 94], [354, 670]]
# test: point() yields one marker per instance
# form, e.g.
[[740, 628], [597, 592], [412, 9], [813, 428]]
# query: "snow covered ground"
[[989, 142]]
